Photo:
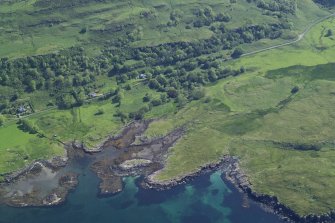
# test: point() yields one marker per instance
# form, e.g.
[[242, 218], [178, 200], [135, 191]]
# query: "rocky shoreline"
[[133, 159], [152, 183], [54, 163], [20, 188], [146, 158], [230, 168]]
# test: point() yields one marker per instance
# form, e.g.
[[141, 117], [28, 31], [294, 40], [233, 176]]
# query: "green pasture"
[[19, 148]]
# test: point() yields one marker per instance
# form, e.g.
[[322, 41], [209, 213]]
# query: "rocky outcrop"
[[152, 182], [134, 163]]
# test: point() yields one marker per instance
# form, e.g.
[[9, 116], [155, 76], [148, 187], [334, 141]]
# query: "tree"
[[220, 17], [153, 84], [238, 52], [156, 102], [14, 97], [118, 97], [197, 93], [172, 93], [127, 87], [163, 98], [59, 82], [80, 97], [4, 103], [66, 101], [181, 100], [28, 126], [146, 98], [32, 86], [329, 33], [295, 90], [83, 30], [100, 111], [212, 75], [162, 80], [2, 120]]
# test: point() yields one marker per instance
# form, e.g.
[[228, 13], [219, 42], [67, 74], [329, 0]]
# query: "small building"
[[142, 76], [21, 109], [92, 95]]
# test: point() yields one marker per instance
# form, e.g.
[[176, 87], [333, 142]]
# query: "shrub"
[[2, 120], [238, 52], [100, 112]]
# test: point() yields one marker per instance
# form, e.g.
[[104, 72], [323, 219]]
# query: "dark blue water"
[[207, 199]]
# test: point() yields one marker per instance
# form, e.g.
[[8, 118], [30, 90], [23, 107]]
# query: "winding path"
[[298, 39]]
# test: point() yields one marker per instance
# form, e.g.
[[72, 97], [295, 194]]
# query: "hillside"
[[81, 70]]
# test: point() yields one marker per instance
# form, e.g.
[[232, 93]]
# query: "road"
[[298, 39]]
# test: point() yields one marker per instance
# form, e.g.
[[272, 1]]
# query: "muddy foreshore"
[[19, 188], [136, 156]]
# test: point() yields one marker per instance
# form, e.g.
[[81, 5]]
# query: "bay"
[[208, 198]]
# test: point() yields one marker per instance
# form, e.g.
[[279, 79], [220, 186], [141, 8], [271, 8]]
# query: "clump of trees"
[[329, 33], [28, 126], [2, 120], [238, 52], [281, 6], [100, 111], [206, 16], [295, 90]]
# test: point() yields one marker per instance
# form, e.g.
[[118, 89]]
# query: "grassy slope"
[[26, 29], [29, 29], [255, 126]]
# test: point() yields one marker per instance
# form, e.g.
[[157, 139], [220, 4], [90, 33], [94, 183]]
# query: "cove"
[[207, 198]]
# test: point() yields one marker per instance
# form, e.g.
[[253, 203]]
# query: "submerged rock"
[[134, 163]]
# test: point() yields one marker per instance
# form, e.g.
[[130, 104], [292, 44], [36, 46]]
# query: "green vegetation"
[[2, 120], [277, 119], [19, 148], [111, 62]]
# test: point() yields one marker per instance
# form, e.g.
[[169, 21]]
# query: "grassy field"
[[85, 124], [20, 148], [285, 141]]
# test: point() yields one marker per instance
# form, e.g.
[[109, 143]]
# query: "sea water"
[[206, 199]]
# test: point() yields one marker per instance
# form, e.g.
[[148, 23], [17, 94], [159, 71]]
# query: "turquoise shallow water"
[[206, 199]]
